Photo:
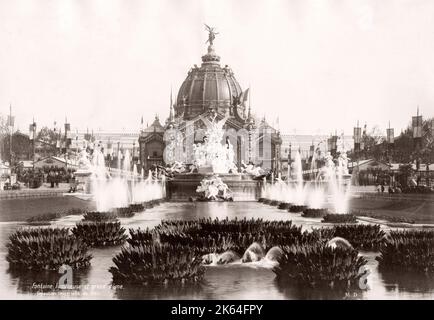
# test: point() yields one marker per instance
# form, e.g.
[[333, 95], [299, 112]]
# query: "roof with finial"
[[155, 126], [208, 86], [171, 120]]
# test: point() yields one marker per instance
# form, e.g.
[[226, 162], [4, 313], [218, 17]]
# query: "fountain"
[[114, 187], [330, 187], [214, 167]]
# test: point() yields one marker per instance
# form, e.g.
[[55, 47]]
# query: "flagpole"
[[34, 142], [10, 142]]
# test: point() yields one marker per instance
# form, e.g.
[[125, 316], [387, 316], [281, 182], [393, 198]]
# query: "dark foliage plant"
[[46, 249], [157, 264], [390, 218], [297, 208], [315, 212], [139, 236], [100, 233], [207, 235], [361, 236], [319, 265], [46, 218], [97, 216], [284, 205], [408, 251], [339, 218]]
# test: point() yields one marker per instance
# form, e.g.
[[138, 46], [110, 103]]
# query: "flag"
[[417, 127], [67, 127], [31, 132], [245, 95], [357, 134], [11, 121], [390, 136]]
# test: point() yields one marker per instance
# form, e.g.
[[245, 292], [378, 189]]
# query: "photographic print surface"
[[216, 150]]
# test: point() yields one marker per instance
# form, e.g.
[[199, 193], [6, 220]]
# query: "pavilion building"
[[210, 90]]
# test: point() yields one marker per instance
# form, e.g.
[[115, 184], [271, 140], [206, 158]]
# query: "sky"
[[318, 65]]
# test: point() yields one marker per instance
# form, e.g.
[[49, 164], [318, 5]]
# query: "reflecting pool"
[[236, 281]]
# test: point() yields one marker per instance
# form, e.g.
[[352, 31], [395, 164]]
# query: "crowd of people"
[[397, 188], [391, 189], [34, 178]]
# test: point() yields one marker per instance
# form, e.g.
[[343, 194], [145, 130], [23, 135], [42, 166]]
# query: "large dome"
[[207, 87]]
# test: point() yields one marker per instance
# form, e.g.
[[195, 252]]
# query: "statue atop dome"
[[211, 34]]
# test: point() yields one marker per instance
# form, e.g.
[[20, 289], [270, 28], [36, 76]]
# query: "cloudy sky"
[[320, 65]]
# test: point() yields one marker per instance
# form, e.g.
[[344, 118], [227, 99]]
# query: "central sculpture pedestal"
[[183, 186]]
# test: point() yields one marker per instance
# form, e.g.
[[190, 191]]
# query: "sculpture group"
[[211, 155]]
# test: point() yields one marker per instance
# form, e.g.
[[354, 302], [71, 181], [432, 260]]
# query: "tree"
[[47, 135], [46, 141], [4, 135], [403, 150], [21, 147], [405, 171]]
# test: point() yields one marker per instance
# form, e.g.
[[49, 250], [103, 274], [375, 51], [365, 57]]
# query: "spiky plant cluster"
[[315, 212], [297, 208], [100, 233], [391, 218], [284, 205], [219, 242], [362, 236], [46, 218], [46, 249], [274, 203], [216, 235], [408, 251], [131, 210], [319, 265], [418, 234], [139, 237], [339, 218], [155, 264], [97, 216], [246, 225], [152, 203]]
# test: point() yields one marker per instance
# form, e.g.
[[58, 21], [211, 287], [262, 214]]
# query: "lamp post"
[[289, 162], [417, 138], [32, 131], [357, 147], [134, 153], [389, 150]]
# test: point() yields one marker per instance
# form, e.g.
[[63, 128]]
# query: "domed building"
[[210, 91], [207, 87]]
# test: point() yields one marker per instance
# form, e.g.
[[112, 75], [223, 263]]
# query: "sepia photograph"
[[233, 150]]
